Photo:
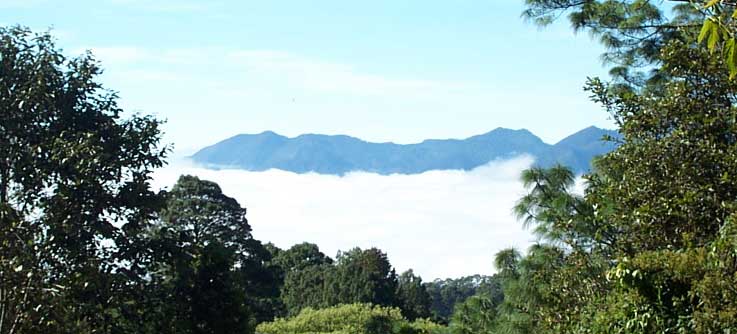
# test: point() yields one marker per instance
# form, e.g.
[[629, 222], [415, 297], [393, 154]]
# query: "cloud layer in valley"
[[439, 223]]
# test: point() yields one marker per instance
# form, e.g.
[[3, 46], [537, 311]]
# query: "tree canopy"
[[359, 318], [74, 192], [649, 246], [633, 31]]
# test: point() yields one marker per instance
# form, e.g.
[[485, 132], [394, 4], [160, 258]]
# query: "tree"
[[633, 31], [412, 296], [675, 196], [198, 213], [308, 288], [670, 180], [475, 315], [446, 294], [363, 276], [357, 276], [218, 297], [718, 30], [359, 318], [204, 237], [301, 256], [302, 270], [667, 197], [74, 192], [298, 257]]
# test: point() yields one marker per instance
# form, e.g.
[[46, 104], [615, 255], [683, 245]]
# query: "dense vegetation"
[[86, 246], [350, 319], [651, 245]]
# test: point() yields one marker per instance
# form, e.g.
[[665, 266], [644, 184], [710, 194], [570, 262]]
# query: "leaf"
[[711, 3], [713, 38], [706, 30], [730, 57]]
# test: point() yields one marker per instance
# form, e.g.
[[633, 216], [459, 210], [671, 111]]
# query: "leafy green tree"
[[301, 256], [529, 288], [507, 261], [74, 193], [204, 237], [302, 271], [644, 250], [475, 315], [357, 276], [412, 296], [198, 213], [219, 301], [363, 276], [446, 294], [672, 176], [359, 318], [549, 202], [307, 288], [718, 30], [298, 257], [675, 194]]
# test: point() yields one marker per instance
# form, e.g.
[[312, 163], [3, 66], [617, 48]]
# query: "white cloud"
[[440, 223], [331, 77], [265, 66]]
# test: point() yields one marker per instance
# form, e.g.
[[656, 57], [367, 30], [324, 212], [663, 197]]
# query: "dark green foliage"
[[557, 215], [197, 214], [357, 276], [364, 276], [218, 303], [300, 256], [446, 294], [307, 288], [210, 263], [674, 174], [74, 193], [412, 296], [649, 247], [475, 315], [675, 192], [296, 258]]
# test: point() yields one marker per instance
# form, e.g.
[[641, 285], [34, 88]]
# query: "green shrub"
[[349, 319]]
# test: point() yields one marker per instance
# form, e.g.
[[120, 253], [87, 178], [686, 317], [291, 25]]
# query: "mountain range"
[[340, 154]]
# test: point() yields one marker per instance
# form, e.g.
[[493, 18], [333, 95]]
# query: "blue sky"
[[382, 70]]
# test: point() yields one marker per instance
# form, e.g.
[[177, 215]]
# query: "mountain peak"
[[587, 136], [269, 133], [340, 154]]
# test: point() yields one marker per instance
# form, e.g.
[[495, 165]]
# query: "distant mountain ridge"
[[340, 154]]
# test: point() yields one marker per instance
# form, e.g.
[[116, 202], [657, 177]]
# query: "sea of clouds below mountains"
[[439, 223]]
